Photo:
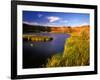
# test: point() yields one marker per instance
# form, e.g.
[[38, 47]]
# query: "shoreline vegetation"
[[35, 38], [76, 48]]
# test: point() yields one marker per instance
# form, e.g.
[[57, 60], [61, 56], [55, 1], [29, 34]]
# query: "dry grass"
[[76, 49]]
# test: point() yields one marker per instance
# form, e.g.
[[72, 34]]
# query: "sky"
[[55, 18]]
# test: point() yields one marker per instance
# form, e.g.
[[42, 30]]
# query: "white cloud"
[[64, 21], [31, 23], [84, 24], [40, 15], [53, 19], [79, 25]]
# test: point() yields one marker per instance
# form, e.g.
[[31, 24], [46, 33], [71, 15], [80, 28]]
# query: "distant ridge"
[[37, 28]]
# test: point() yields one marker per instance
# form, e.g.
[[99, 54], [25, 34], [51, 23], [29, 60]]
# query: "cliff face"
[[69, 29], [55, 29], [35, 28], [61, 29]]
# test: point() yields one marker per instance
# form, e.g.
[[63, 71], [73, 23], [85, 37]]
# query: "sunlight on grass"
[[76, 51]]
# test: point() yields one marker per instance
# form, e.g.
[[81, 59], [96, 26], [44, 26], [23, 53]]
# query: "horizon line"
[[57, 25]]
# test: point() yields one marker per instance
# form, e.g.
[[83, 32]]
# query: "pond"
[[35, 54]]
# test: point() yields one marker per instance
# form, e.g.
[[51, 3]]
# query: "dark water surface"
[[36, 53]]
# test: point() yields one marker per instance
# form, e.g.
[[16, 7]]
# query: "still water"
[[35, 54]]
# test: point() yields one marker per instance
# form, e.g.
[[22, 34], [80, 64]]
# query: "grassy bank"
[[76, 50]]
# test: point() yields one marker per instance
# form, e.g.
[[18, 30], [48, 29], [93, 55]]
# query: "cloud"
[[79, 24], [40, 15], [53, 19], [31, 23], [64, 21], [84, 24]]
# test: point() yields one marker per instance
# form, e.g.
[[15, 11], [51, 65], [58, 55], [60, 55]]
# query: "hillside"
[[76, 49], [54, 29]]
